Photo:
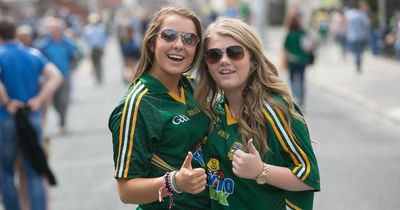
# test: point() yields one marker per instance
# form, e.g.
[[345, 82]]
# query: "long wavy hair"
[[147, 56], [263, 81]]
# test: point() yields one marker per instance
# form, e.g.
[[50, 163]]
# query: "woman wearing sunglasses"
[[258, 153], [157, 127]]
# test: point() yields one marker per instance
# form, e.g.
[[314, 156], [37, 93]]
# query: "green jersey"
[[153, 130], [288, 148]]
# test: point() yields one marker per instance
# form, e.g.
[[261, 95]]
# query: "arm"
[[283, 177], [52, 80], [4, 99], [139, 190]]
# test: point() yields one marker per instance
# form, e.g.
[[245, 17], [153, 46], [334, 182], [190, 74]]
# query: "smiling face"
[[172, 58], [230, 75]]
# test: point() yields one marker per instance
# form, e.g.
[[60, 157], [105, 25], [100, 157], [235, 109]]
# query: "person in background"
[[158, 127], [62, 52], [258, 153], [297, 47], [130, 43], [95, 36], [357, 33], [21, 69], [339, 30], [25, 35]]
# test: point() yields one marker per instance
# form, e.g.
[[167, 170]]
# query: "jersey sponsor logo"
[[220, 186], [193, 111], [180, 119], [223, 134]]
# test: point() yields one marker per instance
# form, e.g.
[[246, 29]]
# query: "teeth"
[[226, 71], [178, 57]]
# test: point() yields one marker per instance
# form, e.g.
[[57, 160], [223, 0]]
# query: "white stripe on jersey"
[[303, 165], [126, 134]]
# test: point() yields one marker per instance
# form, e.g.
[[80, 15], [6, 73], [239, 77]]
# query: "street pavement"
[[354, 119]]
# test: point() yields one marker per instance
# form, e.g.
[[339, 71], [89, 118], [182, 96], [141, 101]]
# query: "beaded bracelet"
[[174, 185], [165, 189]]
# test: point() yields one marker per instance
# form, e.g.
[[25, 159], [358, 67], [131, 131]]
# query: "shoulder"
[[131, 99], [279, 100]]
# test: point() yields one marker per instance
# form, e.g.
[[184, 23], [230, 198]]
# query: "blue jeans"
[[8, 154], [297, 83], [357, 48]]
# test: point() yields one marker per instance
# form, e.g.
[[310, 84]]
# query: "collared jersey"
[[153, 130], [288, 148]]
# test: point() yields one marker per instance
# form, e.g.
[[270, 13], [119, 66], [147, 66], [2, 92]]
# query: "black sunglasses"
[[170, 35], [214, 55]]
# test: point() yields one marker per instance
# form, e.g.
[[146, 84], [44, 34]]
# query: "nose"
[[178, 43], [225, 58]]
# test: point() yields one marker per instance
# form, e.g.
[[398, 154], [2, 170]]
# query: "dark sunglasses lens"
[[213, 55], [235, 52], [190, 39], [169, 35]]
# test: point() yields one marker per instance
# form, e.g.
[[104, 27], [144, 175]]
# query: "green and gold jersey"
[[288, 148], [153, 130]]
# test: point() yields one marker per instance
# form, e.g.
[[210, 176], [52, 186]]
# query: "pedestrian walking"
[[21, 69], [357, 33], [63, 53], [157, 128], [130, 44], [339, 30], [95, 36], [258, 153], [298, 47]]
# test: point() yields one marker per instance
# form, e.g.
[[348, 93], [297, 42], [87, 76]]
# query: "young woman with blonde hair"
[[258, 153]]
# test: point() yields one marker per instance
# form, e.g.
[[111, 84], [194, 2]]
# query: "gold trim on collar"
[[229, 118], [180, 98]]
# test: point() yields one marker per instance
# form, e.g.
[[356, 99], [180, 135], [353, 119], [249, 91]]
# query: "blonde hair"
[[262, 83], [147, 56]]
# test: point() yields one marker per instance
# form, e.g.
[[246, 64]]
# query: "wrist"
[[262, 177]]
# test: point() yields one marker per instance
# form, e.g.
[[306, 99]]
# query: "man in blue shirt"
[[61, 51], [21, 70]]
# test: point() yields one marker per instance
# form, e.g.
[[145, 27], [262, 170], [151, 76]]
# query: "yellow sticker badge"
[[213, 164]]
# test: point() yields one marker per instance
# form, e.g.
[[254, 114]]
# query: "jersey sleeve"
[[130, 133], [295, 146]]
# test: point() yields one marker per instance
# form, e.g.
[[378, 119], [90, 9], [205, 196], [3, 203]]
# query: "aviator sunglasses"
[[214, 55], [170, 35]]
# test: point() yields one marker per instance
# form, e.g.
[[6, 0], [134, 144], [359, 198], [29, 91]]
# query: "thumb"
[[252, 148], [188, 161]]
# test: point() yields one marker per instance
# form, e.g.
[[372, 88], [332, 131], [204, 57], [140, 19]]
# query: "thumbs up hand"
[[247, 165], [190, 180]]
